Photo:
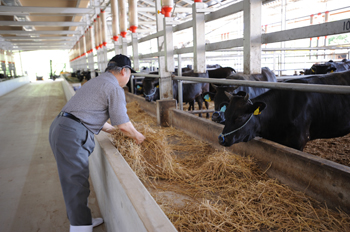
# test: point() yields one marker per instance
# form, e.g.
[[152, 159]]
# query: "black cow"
[[221, 100], [290, 118], [191, 92], [85, 75], [222, 72], [151, 83], [137, 83], [212, 66], [219, 73], [328, 67]]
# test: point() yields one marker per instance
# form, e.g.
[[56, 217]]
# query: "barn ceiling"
[[43, 24]]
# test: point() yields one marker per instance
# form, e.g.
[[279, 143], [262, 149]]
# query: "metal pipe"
[[95, 34], [133, 15], [200, 111], [99, 20], [115, 20], [146, 75], [179, 65], [179, 90], [167, 6], [332, 89], [103, 28], [122, 17], [132, 84]]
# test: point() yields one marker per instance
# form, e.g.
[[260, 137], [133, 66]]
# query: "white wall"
[[10, 85]]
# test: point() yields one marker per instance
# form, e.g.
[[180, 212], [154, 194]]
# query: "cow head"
[[219, 116], [220, 101], [138, 88], [241, 124], [150, 89]]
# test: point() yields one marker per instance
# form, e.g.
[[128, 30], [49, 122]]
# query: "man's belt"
[[68, 115]]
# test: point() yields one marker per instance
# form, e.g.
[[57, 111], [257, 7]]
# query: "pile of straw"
[[220, 191]]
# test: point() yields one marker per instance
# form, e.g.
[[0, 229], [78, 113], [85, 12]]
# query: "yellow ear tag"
[[157, 86], [257, 111]]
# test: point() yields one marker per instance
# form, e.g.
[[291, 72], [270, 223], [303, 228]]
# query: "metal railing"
[[329, 89], [140, 76], [318, 88]]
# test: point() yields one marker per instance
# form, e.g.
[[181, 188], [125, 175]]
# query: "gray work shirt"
[[97, 100]]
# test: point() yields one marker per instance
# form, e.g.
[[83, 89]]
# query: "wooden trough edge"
[[125, 203], [324, 180]]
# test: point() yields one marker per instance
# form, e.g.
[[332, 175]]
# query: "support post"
[[163, 108], [117, 47], [252, 36], [169, 45], [283, 24], [125, 46], [165, 81], [135, 51], [179, 65], [198, 37]]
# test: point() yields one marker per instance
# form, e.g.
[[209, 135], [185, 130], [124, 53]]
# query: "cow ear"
[[223, 106], [228, 95], [231, 89], [214, 86], [257, 108], [208, 96]]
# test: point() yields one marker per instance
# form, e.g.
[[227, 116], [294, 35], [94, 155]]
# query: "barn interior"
[[50, 49]]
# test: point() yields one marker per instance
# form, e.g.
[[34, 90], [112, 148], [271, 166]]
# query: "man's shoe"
[[96, 222]]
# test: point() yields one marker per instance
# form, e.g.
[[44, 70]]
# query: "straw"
[[204, 189]]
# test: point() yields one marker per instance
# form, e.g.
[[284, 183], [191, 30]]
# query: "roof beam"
[[43, 42], [46, 10], [177, 9], [13, 38], [38, 24], [41, 48], [14, 32]]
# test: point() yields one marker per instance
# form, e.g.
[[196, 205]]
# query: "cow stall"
[[126, 203], [298, 169], [199, 128]]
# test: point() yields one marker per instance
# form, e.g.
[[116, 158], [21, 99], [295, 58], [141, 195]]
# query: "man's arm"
[[129, 130], [108, 128]]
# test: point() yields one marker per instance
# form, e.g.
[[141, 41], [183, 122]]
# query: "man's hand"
[[129, 130]]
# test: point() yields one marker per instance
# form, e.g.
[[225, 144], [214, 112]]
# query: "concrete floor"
[[30, 193]]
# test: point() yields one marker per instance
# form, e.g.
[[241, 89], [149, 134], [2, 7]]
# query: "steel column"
[[124, 46], [165, 81], [283, 27], [179, 65], [168, 45], [252, 36], [117, 47], [135, 51], [199, 65]]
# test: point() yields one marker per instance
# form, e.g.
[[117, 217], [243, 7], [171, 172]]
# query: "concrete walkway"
[[30, 193]]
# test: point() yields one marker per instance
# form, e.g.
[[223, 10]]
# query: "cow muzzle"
[[218, 117]]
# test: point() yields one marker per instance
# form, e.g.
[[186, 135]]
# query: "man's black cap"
[[122, 61]]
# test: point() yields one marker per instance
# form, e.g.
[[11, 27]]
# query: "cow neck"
[[149, 95]]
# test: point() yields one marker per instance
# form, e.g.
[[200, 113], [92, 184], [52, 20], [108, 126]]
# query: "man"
[[72, 135]]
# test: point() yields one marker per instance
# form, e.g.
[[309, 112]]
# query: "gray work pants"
[[72, 143]]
